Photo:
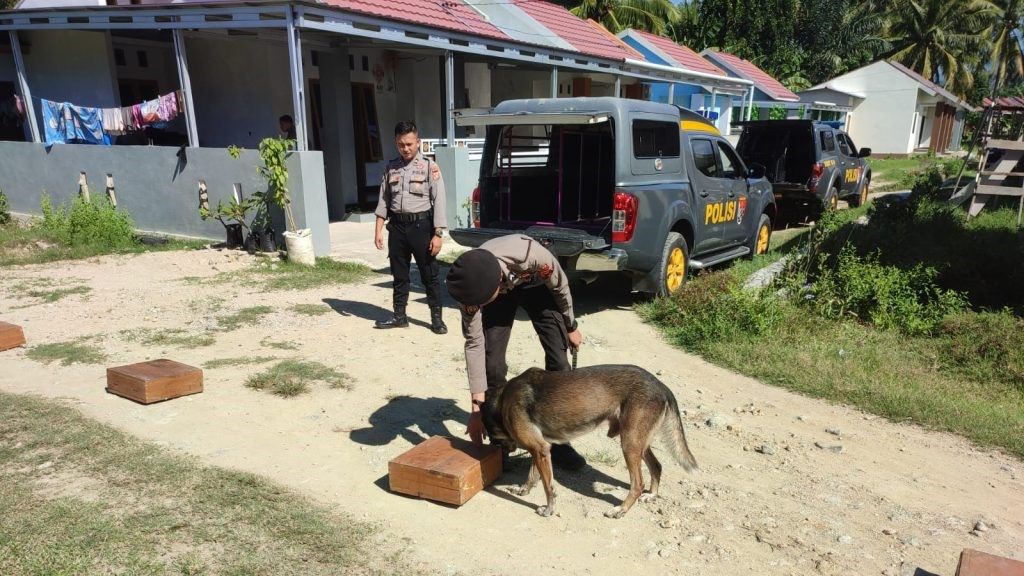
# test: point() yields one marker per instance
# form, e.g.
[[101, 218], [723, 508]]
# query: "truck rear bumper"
[[611, 260]]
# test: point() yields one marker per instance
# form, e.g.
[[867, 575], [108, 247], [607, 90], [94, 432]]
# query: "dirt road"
[[789, 485]]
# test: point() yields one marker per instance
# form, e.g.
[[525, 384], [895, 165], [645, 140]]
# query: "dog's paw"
[[545, 511], [616, 512], [519, 490], [649, 497]]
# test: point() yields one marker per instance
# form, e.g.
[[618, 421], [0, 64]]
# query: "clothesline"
[[64, 122]]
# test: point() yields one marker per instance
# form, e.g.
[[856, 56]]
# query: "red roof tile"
[[444, 14], [762, 81], [682, 55], [584, 37]]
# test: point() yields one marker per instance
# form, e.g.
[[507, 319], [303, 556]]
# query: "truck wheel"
[[675, 260], [861, 198], [830, 203], [762, 236]]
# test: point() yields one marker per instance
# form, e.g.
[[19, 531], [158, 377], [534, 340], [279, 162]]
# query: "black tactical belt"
[[414, 217]]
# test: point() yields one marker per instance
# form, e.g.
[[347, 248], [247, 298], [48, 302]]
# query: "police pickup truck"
[[616, 185], [811, 165]]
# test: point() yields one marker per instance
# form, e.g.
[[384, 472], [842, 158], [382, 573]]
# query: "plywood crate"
[[11, 336], [154, 381], [975, 563], [445, 469]]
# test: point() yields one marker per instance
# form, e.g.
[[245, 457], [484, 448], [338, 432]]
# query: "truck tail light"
[[475, 207], [816, 171], [625, 207]]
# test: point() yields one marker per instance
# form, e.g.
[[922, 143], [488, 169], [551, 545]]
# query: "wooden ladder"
[[991, 183]]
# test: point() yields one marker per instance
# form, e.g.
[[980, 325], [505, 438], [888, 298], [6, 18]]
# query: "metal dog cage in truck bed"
[[548, 175]]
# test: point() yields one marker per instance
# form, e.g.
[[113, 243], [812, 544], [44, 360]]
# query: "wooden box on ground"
[[154, 381], [11, 336], [974, 563], [448, 470]]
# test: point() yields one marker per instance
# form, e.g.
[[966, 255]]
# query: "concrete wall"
[[72, 66], [460, 178], [885, 118], [155, 185]]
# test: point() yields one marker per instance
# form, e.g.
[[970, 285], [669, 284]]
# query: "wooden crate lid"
[[975, 563], [155, 369], [446, 461]]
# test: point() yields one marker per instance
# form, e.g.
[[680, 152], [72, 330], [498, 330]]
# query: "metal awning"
[[471, 118]]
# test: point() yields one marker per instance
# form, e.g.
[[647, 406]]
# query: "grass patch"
[[900, 377], [67, 353], [176, 337], [888, 174], [240, 361], [244, 317], [293, 377], [112, 504], [606, 457], [448, 258], [277, 275], [47, 290], [279, 345], [311, 309], [22, 244]]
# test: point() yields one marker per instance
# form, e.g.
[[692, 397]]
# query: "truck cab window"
[[704, 158], [828, 142], [654, 139], [732, 166]]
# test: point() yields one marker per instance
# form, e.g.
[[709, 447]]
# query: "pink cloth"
[[137, 120], [167, 107]]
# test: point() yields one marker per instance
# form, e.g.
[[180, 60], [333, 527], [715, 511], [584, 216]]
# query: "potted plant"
[[231, 215], [274, 153]]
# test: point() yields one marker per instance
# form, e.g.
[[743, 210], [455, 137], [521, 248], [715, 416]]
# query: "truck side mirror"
[[756, 170], [864, 152]]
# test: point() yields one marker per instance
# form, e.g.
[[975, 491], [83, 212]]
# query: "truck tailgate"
[[562, 242]]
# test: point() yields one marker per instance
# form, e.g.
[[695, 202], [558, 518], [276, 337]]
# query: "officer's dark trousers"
[[498, 317], [408, 240]]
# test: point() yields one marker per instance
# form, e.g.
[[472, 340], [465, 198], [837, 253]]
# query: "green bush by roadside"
[[88, 223]]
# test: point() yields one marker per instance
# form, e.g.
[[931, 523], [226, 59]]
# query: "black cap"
[[473, 278]]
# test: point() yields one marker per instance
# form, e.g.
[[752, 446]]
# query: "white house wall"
[[885, 118]]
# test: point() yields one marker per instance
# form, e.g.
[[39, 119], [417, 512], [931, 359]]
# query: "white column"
[[298, 93], [23, 89], [743, 106], [671, 93], [750, 106], [185, 82], [554, 82], [449, 96], [618, 87]]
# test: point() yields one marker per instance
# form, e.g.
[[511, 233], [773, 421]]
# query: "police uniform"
[[412, 199], [532, 279]]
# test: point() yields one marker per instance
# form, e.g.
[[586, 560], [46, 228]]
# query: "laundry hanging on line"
[[67, 123]]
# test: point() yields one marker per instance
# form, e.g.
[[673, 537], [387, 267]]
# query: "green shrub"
[[712, 308], [94, 223], [951, 166], [891, 298], [985, 347], [5, 210]]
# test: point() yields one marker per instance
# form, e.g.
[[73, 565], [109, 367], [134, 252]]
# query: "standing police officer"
[[412, 202]]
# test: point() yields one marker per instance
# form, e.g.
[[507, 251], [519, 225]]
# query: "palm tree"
[[939, 38], [617, 15], [1006, 53]]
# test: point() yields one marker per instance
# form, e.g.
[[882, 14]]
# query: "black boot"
[[436, 323], [398, 320], [566, 457]]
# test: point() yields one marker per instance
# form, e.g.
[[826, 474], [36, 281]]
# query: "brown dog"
[[540, 408]]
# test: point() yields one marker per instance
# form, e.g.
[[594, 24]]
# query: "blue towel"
[[65, 123]]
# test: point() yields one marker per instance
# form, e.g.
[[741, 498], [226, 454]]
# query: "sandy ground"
[[776, 494]]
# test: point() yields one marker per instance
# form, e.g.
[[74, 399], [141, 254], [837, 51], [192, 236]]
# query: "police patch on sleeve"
[[435, 172], [545, 271]]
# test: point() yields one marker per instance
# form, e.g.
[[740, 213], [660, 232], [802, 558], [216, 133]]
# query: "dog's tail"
[[675, 437]]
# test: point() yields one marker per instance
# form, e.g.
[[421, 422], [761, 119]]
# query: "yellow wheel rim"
[[834, 202], [864, 193], [675, 270], [762, 239]]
